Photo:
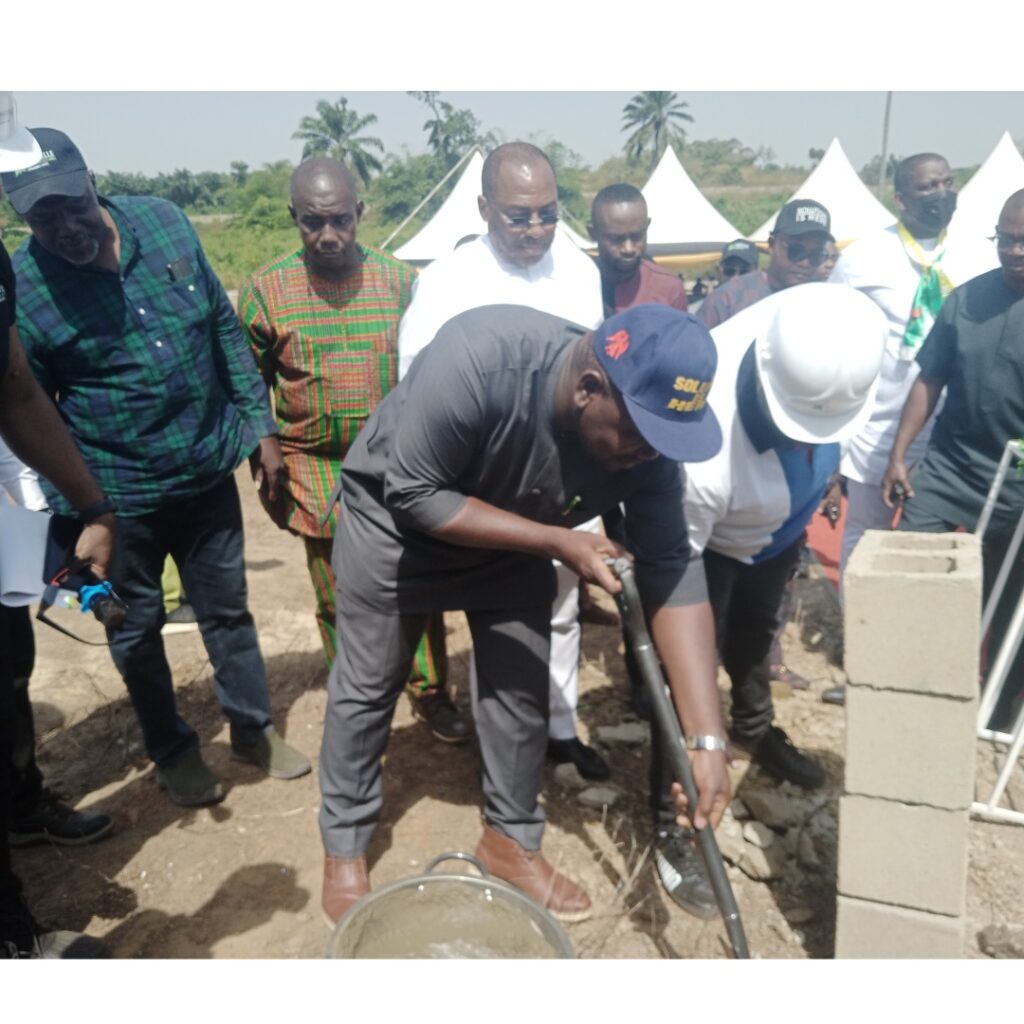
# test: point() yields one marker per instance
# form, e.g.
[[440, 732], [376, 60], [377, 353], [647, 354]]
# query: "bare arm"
[[920, 404], [685, 638], [478, 524], [32, 427]]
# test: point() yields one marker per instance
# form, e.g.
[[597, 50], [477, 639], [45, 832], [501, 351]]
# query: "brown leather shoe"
[[345, 881], [528, 870]]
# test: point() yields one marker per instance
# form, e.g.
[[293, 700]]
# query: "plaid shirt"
[[149, 367]]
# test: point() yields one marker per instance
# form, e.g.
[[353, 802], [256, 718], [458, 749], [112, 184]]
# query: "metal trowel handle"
[[674, 743]]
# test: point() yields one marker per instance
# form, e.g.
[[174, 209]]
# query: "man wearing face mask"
[[797, 248], [975, 352], [906, 269]]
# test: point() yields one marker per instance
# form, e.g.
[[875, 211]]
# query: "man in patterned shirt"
[[323, 323], [128, 330]]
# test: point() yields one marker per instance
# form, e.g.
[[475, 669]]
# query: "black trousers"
[[9, 886], [745, 602], [20, 652]]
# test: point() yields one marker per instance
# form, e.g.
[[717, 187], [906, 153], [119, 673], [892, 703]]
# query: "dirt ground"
[[242, 880]]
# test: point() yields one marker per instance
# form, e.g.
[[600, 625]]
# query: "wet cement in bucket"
[[441, 918]]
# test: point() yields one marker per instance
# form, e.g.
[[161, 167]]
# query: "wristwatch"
[[705, 743], [100, 508]]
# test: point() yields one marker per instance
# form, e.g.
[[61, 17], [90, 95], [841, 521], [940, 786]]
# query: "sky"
[[149, 132], [195, 84]]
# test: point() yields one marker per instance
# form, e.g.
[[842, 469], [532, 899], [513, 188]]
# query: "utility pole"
[[885, 146]]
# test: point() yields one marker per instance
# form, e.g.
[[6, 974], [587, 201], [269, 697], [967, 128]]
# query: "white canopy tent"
[[836, 185], [458, 216], [682, 218], [981, 199]]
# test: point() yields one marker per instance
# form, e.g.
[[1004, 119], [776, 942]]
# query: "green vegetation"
[[242, 214]]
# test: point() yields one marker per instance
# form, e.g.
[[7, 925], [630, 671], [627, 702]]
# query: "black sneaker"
[[589, 763], [776, 754], [54, 822], [22, 938], [682, 872], [446, 721]]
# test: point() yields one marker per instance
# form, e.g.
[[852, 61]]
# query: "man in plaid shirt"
[[131, 334]]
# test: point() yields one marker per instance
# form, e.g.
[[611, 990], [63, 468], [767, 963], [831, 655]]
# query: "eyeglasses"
[[524, 221], [1008, 242], [798, 253], [733, 271]]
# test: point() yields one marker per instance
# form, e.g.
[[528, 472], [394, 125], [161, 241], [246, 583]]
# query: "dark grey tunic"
[[475, 417], [976, 349]]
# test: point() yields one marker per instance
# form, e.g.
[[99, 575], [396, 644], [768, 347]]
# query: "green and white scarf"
[[932, 289]]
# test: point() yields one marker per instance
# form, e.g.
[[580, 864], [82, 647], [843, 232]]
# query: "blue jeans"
[[204, 536]]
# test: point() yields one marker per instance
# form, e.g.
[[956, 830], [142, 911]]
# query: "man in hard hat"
[[796, 249], [786, 394], [975, 351], [512, 427]]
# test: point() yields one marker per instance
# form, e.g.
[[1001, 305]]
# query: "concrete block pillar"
[[912, 637]]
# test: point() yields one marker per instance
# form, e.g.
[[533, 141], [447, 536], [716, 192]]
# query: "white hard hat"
[[818, 361], [18, 149]]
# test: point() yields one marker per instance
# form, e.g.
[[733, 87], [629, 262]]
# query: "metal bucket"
[[448, 917]]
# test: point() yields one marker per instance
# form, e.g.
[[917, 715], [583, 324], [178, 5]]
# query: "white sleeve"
[[433, 303], [20, 482], [706, 503]]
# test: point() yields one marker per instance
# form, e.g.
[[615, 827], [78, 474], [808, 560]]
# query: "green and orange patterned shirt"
[[328, 350]]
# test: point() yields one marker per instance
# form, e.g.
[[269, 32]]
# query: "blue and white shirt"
[[755, 498]]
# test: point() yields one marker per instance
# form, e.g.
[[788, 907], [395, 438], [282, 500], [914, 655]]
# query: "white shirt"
[[20, 482], [878, 265], [747, 504], [564, 282]]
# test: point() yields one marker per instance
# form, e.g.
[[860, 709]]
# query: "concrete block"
[[866, 930], [913, 612], [910, 746], [910, 856]]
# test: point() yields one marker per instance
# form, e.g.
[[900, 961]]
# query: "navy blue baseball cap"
[[60, 171], [663, 362]]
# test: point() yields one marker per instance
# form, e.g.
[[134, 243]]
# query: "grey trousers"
[[375, 652]]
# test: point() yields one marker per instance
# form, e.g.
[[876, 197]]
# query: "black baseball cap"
[[743, 250], [60, 171], [663, 362], [801, 217]]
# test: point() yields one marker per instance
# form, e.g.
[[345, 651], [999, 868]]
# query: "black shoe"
[[776, 754], [181, 620], [53, 822], [834, 695], [682, 872], [445, 720], [22, 938], [589, 763]]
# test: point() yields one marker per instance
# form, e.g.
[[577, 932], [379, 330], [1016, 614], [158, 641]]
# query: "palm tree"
[[334, 133], [656, 119]]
